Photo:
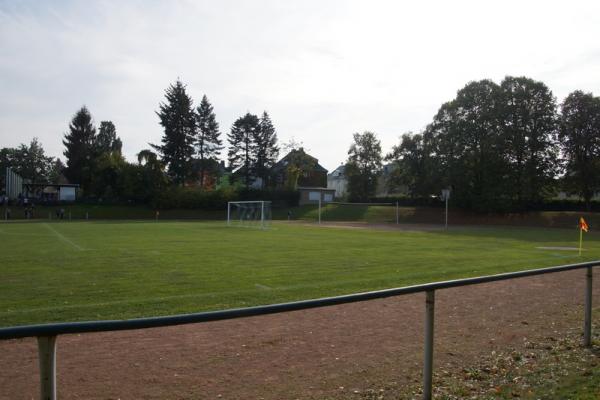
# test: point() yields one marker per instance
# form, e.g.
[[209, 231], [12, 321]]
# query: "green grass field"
[[73, 271]]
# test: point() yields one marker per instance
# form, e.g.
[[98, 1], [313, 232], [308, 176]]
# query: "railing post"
[[47, 358], [587, 325], [428, 361]]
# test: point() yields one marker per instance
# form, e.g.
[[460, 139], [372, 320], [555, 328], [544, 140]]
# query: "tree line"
[[498, 147], [188, 152]]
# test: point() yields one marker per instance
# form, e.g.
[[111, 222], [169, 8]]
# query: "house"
[[299, 169], [337, 181], [383, 187]]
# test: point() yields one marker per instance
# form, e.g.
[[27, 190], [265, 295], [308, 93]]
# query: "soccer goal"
[[249, 214]]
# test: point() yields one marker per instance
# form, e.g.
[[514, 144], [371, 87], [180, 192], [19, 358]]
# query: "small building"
[[311, 195], [18, 188], [48, 192]]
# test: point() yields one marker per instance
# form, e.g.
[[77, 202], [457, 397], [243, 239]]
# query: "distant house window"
[[314, 196], [328, 197]]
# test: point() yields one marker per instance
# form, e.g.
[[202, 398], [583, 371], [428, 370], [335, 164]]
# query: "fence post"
[[587, 325], [47, 359], [428, 361]]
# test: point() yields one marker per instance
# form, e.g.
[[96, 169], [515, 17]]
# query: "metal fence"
[[46, 334]]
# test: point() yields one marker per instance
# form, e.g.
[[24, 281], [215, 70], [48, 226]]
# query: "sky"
[[323, 70]]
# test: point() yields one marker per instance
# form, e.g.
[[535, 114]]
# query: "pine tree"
[[177, 118], [79, 143], [107, 140], [207, 141], [241, 146], [265, 148]]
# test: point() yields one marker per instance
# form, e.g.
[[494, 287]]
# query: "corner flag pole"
[[580, 239], [583, 226]]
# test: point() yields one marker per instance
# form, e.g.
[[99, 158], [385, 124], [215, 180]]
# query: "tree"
[[467, 145], [207, 141], [414, 165], [580, 143], [32, 163], [153, 179], [57, 170], [177, 118], [265, 148], [79, 148], [108, 168], [29, 161], [107, 140], [363, 166], [528, 118], [241, 142]]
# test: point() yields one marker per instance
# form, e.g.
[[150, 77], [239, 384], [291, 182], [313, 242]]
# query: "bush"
[[195, 198]]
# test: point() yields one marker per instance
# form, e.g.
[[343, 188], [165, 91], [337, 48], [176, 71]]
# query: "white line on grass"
[[263, 287], [65, 239]]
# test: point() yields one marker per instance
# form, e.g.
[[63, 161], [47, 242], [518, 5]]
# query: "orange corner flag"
[[583, 225]]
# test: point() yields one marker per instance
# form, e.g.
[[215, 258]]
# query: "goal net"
[[249, 213]]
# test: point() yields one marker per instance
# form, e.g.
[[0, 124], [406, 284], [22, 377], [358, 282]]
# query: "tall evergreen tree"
[[363, 166], [79, 148], [207, 138], [177, 118], [265, 148], [241, 142], [580, 142], [107, 140]]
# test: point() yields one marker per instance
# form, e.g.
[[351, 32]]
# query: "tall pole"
[[397, 214], [587, 327], [428, 361], [446, 224], [262, 214], [47, 360], [319, 208], [228, 212]]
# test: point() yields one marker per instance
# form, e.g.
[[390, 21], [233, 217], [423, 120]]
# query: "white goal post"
[[249, 213]]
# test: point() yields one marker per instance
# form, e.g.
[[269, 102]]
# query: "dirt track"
[[334, 352]]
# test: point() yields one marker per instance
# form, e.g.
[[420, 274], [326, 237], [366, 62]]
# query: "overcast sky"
[[322, 69]]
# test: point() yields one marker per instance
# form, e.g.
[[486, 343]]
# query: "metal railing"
[[46, 334]]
